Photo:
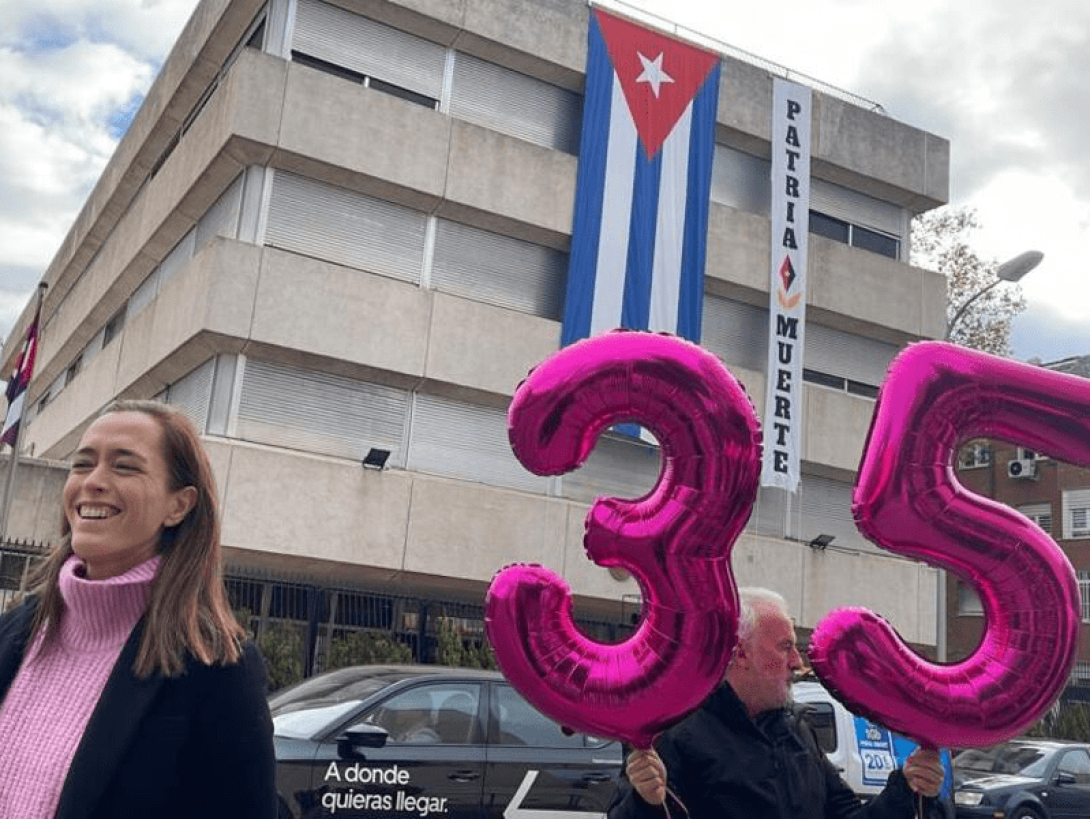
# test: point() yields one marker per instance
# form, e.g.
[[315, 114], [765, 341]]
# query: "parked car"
[[863, 752], [430, 742], [1024, 779]]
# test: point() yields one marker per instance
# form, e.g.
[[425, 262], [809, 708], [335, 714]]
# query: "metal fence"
[[16, 560], [317, 615], [303, 621]]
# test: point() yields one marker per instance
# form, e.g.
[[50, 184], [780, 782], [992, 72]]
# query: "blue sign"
[[883, 752]]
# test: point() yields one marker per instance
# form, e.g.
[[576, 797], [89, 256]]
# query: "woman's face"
[[118, 498]]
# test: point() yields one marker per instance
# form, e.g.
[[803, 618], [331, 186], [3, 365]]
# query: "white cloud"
[[70, 72], [144, 28]]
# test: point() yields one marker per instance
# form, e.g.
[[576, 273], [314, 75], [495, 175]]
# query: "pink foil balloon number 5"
[[908, 500], [676, 540]]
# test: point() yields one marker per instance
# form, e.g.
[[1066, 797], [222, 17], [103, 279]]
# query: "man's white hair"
[[749, 598]]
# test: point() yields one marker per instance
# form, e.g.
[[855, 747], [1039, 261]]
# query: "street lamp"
[[1011, 270]]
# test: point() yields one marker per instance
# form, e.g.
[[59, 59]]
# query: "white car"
[[863, 752]]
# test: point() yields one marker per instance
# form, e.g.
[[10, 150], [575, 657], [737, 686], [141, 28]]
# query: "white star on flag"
[[653, 73]]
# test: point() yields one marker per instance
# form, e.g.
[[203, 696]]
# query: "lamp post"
[[1011, 270]]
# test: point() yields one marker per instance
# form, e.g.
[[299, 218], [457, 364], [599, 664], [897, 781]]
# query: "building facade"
[[1054, 495], [338, 230]]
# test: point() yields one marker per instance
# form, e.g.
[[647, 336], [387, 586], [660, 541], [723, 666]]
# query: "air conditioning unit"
[[1022, 469]]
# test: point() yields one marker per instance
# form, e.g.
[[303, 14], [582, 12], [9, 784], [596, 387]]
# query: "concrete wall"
[[295, 512], [36, 506]]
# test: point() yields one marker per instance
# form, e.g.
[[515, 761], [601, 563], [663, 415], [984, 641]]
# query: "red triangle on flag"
[[659, 75]]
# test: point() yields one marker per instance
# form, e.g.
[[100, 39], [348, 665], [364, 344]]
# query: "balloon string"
[[919, 806], [666, 804]]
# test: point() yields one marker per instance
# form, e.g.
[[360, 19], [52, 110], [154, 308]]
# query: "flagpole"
[[13, 459]]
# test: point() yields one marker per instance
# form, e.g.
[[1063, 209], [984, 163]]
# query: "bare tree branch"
[[940, 241]]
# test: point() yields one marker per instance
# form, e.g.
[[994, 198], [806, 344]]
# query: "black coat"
[[197, 745], [722, 765]]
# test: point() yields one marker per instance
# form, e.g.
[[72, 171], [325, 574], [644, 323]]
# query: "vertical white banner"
[[787, 291]]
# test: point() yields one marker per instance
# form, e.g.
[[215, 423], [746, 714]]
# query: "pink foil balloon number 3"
[[676, 540], [908, 500]]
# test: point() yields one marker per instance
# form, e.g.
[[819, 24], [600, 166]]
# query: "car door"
[[431, 767], [532, 765], [1069, 793]]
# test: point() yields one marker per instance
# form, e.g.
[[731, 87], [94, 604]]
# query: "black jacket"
[[197, 745], [722, 765]]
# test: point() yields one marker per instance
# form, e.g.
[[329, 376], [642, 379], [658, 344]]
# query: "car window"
[[325, 689], [433, 714], [1077, 763], [519, 723], [1012, 759], [305, 723], [822, 719]]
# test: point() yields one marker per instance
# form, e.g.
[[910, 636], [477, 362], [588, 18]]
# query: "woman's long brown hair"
[[188, 609]]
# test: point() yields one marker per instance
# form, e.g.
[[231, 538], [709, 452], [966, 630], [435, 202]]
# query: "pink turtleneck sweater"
[[46, 710]]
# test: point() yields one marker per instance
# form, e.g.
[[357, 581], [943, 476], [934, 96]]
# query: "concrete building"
[[342, 227], [1054, 495]]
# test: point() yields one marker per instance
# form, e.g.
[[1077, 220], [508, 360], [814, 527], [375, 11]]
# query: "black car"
[[430, 742], [1024, 779]]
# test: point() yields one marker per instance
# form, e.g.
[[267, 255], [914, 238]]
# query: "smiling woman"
[[125, 688]]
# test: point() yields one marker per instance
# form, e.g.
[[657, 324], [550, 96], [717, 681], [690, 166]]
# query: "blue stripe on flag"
[[590, 190], [641, 241], [701, 156]]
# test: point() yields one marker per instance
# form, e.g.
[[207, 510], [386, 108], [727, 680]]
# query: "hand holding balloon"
[[676, 540], [908, 501]]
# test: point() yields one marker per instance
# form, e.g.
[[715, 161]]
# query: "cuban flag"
[[20, 380], [644, 182]]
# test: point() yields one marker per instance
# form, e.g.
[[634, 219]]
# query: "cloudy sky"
[[1006, 83]]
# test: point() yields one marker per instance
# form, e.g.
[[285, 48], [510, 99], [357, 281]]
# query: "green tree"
[[941, 241], [452, 648], [282, 646], [365, 648], [449, 649], [1064, 721]]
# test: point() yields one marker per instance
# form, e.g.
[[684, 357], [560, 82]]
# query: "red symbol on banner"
[[787, 273]]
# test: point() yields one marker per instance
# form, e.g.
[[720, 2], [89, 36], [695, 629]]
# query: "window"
[[829, 227], [113, 327], [855, 235], [410, 66], [257, 36], [968, 600], [857, 363], [1024, 454], [1039, 513], [312, 218], [1084, 594], [515, 104], [1076, 762], [859, 388], [822, 719], [1076, 513], [365, 80], [835, 382], [440, 714], [312, 411], [73, 370], [518, 723], [824, 379], [496, 269], [875, 242], [974, 454], [1081, 674]]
